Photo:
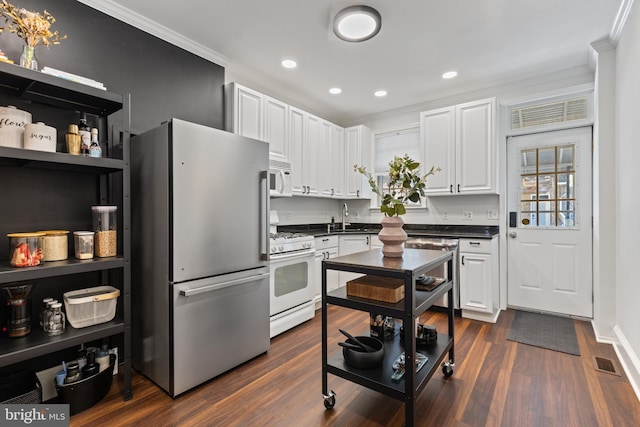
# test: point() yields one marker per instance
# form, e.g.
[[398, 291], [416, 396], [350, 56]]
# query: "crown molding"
[[621, 19], [145, 24]]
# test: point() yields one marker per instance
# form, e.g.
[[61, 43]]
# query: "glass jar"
[[25, 249], [56, 245], [104, 225], [43, 309], [83, 244], [55, 320]]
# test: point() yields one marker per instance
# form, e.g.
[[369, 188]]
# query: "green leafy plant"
[[406, 183]]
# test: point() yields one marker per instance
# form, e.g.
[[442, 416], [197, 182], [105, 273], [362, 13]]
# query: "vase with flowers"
[[406, 183], [32, 27]]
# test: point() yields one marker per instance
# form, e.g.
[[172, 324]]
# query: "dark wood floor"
[[496, 383]]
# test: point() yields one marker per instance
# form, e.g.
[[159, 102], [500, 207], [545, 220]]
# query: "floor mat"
[[544, 330]]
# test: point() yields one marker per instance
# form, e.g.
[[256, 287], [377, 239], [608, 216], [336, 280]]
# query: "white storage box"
[[91, 306]]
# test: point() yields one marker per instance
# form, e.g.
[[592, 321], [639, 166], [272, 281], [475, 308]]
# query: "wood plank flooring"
[[496, 382]]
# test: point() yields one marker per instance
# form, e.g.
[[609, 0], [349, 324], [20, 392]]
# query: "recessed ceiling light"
[[289, 63], [357, 23], [449, 74], [380, 93], [335, 90]]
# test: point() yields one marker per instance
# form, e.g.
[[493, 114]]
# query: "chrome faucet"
[[345, 214]]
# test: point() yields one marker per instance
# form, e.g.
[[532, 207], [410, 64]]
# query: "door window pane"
[[547, 187]]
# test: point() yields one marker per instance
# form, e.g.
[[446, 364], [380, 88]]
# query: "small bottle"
[[94, 149], [56, 320], [46, 313], [91, 368], [85, 135], [44, 308], [73, 373]]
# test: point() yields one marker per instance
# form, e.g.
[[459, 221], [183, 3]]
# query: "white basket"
[[91, 306]]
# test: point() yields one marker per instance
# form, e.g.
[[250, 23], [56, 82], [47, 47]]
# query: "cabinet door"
[[349, 245], [337, 161], [476, 282], [475, 147], [297, 137], [248, 112], [324, 159], [437, 130], [357, 151], [276, 119], [311, 152]]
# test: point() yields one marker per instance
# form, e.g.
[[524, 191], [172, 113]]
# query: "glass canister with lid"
[[83, 244], [25, 249], [56, 245], [105, 227]]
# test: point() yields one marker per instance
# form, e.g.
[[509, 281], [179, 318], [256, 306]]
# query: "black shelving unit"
[[414, 263], [59, 99]]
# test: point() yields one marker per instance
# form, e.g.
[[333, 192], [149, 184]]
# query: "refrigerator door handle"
[[218, 286], [264, 217]]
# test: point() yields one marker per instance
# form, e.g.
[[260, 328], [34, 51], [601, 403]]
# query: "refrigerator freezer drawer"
[[218, 323]]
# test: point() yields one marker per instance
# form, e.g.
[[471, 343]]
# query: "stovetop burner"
[[287, 235]]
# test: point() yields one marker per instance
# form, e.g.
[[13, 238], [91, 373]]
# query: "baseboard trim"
[[483, 317], [600, 337], [628, 359]]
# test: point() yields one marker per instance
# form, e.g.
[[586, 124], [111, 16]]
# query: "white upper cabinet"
[[336, 161], [255, 115], [461, 141], [325, 157], [357, 151], [310, 158], [297, 136], [276, 122]]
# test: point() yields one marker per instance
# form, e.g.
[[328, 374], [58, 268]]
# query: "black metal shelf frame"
[[19, 82]]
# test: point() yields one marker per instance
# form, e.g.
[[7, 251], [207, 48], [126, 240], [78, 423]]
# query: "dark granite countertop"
[[460, 231]]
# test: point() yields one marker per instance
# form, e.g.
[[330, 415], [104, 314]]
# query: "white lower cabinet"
[[479, 279], [350, 244], [326, 248]]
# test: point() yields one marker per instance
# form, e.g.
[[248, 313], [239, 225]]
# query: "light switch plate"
[[467, 214], [492, 214]]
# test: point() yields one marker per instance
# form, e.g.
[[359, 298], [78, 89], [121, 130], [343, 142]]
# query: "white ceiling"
[[487, 41]]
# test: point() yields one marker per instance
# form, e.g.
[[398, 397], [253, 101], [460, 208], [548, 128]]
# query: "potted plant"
[[32, 27], [406, 183]]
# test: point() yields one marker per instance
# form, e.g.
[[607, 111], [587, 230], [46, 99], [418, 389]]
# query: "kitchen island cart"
[[44, 189], [414, 263]]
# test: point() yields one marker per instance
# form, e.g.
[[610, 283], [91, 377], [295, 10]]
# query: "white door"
[[550, 222]]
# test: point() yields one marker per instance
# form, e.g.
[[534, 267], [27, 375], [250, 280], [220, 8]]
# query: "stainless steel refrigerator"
[[200, 289]]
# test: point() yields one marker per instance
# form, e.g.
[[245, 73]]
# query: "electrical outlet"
[[288, 214], [467, 214], [492, 214], [445, 215], [357, 215]]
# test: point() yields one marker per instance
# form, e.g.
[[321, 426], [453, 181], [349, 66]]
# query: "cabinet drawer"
[[324, 242], [478, 246]]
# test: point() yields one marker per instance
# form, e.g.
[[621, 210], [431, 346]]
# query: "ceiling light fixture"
[[289, 63], [357, 23], [449, 74], [335, 91], [380, 93]]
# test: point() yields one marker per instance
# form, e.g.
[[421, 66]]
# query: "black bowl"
[[363, 359]]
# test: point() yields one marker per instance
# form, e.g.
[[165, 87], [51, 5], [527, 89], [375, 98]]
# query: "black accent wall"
[[164, 81]]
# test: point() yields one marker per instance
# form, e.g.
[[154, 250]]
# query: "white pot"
[[12, 124], [38, 136]]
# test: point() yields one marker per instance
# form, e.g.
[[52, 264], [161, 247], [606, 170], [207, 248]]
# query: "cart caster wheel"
[[447, 370], [330, 401]]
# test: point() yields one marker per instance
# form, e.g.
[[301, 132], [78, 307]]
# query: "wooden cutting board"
[[378, 288]]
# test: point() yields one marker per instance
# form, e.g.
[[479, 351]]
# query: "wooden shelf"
[[20, 157]]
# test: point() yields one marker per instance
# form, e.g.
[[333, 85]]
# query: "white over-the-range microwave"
[[279, 178]]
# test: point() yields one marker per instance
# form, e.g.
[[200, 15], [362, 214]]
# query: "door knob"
[[513, 234]]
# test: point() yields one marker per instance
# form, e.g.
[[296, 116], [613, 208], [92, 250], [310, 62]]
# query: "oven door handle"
[[275, 258], [218, 286]]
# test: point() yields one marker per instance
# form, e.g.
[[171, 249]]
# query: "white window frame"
[[410, 128]]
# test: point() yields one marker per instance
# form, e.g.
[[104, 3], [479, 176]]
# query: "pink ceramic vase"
[[392, 236]]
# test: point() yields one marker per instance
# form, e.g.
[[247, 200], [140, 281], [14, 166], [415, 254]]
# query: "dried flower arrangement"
[[32, 27]]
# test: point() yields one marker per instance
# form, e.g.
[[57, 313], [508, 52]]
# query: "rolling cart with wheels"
[[414, 263]]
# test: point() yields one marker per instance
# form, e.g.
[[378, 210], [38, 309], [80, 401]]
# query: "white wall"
[[627, 176]]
